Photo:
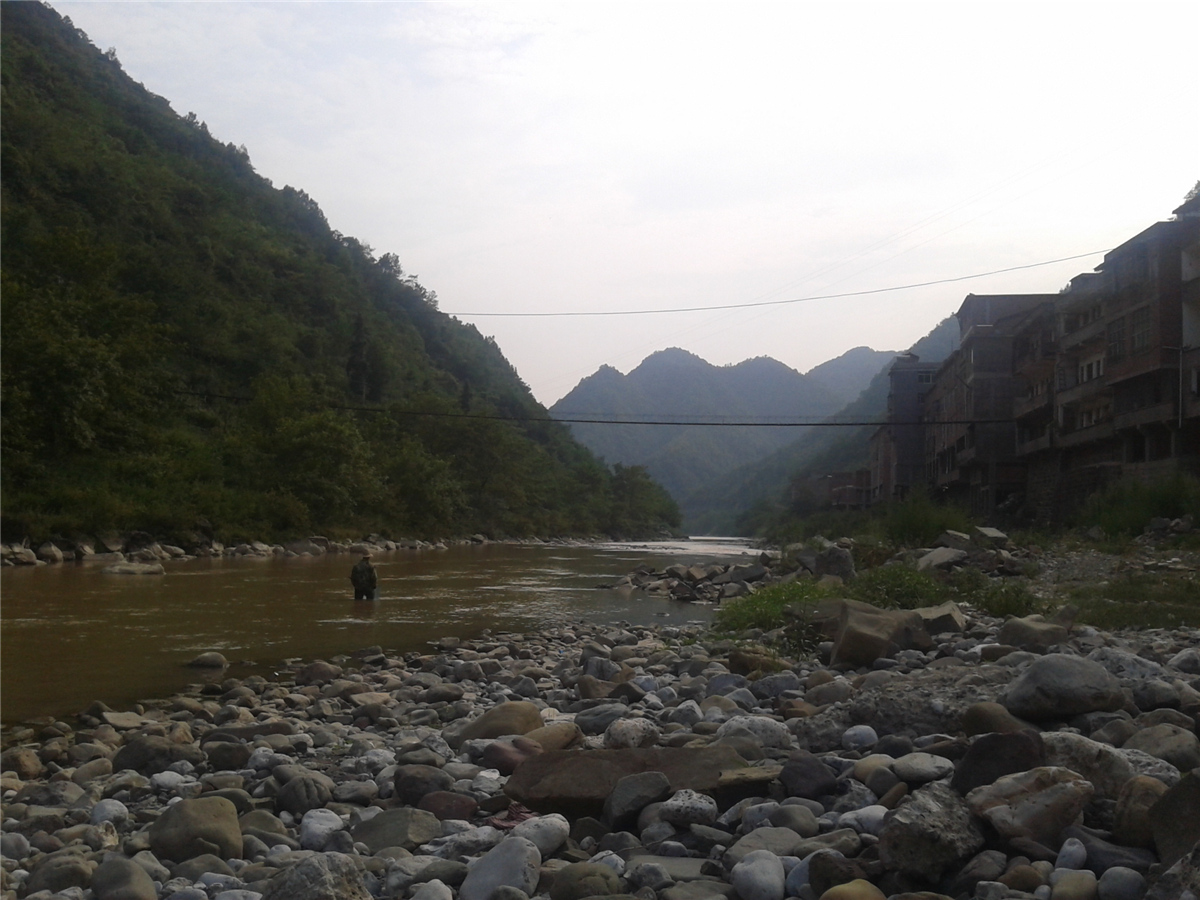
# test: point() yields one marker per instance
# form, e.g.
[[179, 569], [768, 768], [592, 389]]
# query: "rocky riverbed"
[[1004, 759]]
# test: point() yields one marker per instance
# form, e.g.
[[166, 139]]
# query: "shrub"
[[897, 586], [1127, 506], [766, 608], [917, 521], [1139, 601]]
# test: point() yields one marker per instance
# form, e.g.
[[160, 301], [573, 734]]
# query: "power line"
[[750, 423], [687, 309]]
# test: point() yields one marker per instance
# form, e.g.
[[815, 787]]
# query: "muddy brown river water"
[[70, 634]]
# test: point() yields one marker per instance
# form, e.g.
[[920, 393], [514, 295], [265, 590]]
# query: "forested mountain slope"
[[846, 376], [746, 498], [188, 349], [675, 384]]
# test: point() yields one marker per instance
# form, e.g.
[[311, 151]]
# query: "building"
[[970, 431], [1124, 393], [897, 449]]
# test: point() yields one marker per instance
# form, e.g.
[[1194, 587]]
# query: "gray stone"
[[548, 833], [780, 841], [1104, 766], [1120, 883], [688, 807], [584, 879], [322, 876], [1037, 804], [631, 795], [1169, 743], [122, 879], [759, 876], [404, 827], [929, 832], [191, 828], [514, 862], [1059, 686]]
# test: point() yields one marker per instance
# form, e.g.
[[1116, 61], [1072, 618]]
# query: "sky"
[[619, 156]]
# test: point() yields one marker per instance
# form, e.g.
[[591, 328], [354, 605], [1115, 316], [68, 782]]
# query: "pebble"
[[310, 753]]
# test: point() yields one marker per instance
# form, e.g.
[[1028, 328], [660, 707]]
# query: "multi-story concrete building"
[[1051, 396], [970, 435], [1122, 396], [897, 449]]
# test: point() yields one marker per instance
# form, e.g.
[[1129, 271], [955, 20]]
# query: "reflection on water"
[[71, 634]]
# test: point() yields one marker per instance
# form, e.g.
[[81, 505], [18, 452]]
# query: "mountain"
[[189, 350], [739, 502], [846, 375], [675, 384]]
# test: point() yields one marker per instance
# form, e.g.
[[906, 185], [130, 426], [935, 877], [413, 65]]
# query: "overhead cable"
[[753, 304], [490, 417]]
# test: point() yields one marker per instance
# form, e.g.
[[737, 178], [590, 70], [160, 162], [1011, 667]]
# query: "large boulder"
[[577, 782], [1059, 686], [1037, 804], [991, 756], [118, 878], [514, 862], [404, 827], [584, 879], [866, 633], [929, 832], [1178, 746], [194, 827], [151, 754], [1032, 633], [322, 876], [1101, 764], [1175, 819], [512, 717]]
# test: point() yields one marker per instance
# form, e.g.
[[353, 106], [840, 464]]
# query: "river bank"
[[587, 759]]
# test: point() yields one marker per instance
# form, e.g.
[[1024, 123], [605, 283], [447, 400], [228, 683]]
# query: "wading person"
[[364, 579]]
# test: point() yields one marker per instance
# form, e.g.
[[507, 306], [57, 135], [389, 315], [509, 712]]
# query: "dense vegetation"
[[187, 349]]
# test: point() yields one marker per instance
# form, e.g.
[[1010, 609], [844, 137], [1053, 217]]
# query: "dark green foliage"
[[187, 349], [1125, 508], [1140, 601]]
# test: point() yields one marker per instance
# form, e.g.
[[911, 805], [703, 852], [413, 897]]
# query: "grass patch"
[[766, 608], [898, 587], [1139, 600], [918, 521], [1127, 506]]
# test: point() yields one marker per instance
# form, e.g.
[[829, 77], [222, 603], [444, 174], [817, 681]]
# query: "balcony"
[[1165, 412], [1092, 388], [1085, 435], [1045, 442], [1093, 331], [1023, 406]]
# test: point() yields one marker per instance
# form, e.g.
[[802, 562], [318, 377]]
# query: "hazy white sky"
[[525, 157]]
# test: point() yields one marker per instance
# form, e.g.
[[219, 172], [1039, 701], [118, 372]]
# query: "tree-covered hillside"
[[187, 349]]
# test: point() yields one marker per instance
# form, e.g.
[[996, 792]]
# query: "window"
[[924, 378], [1116, 340], [1139, 330]]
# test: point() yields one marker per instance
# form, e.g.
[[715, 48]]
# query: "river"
[[70, 634]]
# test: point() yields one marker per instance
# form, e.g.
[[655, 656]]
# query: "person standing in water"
[[364, 579]]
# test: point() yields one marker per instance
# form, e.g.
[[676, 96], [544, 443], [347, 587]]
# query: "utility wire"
[[685, 309], [824, 423]]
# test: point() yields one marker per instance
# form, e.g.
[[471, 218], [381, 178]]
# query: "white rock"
[[316, 827], [548, 833], [759, 876]]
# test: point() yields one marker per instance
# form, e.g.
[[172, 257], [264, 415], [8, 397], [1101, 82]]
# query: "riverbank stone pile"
[[973, 757]]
